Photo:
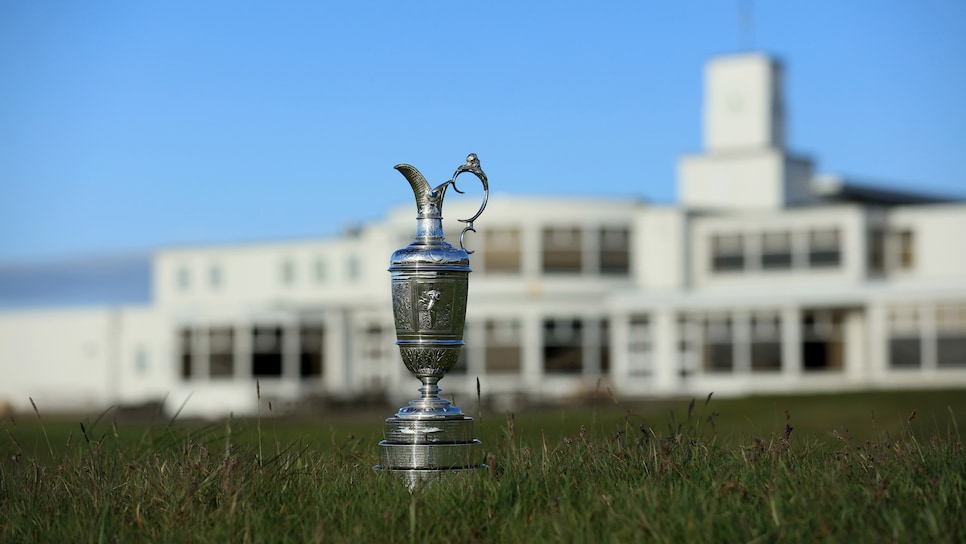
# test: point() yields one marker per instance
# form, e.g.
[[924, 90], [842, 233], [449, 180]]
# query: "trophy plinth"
[[430, 437]]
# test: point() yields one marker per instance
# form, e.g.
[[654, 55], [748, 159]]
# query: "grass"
[[858, 467]]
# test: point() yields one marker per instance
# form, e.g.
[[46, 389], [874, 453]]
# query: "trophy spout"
[[429, 201]]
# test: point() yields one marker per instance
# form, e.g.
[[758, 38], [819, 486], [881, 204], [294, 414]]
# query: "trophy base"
[[421, 451], [417, 478]]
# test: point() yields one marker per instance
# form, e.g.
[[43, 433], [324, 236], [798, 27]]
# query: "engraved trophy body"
[[430, 278]]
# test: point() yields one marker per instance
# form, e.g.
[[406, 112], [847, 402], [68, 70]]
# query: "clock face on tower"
[[743, 110]]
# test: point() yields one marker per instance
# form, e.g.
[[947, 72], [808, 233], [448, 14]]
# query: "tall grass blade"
[[42, 427]]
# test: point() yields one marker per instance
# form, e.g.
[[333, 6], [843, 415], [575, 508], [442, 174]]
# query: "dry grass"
[[619, 477]]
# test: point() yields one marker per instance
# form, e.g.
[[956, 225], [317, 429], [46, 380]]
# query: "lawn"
[[849, 467]]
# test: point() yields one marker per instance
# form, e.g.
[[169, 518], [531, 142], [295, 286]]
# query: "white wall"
[[63, 359], [726, 181], [660, 249], [940, 248], [282, 272], [147, 367]]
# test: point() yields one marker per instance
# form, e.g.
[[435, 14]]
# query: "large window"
[[916, 330], [213, 351], [779, 250], [502, 251], [614, 250], [562, 250], [504, 346], [727, 253]]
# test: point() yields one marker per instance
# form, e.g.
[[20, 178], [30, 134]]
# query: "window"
[[502, 251], [891, 250], [823, 340], [563, 346], [710, 342], [727, 253], [312, 352], [185, 352], [603, 343], [776, 251], [689, 346], [266, 351], [562, 250], [504, 346], [614, 247], [214, 277], [905, 341], [142, 361], [766, 343], [354, 268], [287, 272], [640, 347], [377, 342], [905, 249], [184, 279], [876, 251], [824, 248], [718, 344], [951, 335], [221, 352]]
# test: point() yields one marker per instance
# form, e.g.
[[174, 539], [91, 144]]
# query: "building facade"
[[763, 278]]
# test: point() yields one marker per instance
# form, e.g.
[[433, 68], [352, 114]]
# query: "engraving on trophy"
[[402, 305], [427, 315], [430, 361], [430, 280]]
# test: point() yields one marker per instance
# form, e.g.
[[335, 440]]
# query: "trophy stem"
[[429, 392], [429, 405]]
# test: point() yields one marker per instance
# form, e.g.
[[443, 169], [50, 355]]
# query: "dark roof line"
[[868, 193]]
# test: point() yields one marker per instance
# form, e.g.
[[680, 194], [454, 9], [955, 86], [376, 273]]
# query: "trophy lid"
[[440, 255]]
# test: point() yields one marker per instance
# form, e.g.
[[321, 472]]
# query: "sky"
[[127, 127]]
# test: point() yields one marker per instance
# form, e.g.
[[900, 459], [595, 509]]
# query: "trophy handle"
[[472, 166]]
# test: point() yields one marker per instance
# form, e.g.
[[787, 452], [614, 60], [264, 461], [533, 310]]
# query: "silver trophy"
[[430, 436]]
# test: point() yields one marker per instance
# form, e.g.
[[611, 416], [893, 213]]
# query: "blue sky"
[[129, 126]]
